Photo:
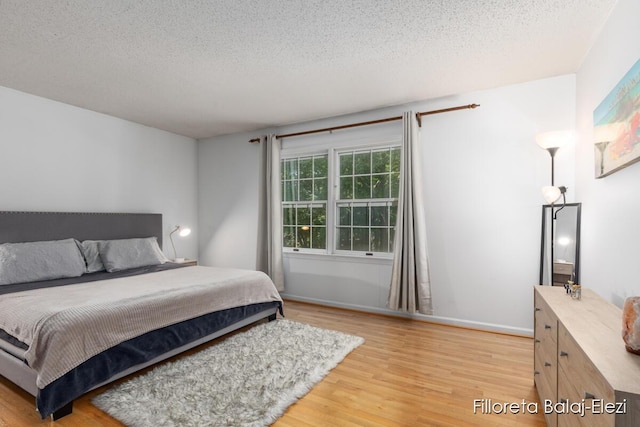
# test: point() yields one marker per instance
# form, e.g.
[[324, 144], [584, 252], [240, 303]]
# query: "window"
[[368, 183], [342, 201], [304, 202]]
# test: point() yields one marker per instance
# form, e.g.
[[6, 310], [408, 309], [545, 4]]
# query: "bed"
[[64, 333]]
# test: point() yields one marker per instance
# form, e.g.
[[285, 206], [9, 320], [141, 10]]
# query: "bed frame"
[[39, 226]]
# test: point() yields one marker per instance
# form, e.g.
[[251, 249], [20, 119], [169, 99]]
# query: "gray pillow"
[[35, 261], [122, 254], [91, 254]]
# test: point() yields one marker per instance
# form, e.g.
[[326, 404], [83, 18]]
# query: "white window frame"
[[333, 150], [336, 202], [297, 155]]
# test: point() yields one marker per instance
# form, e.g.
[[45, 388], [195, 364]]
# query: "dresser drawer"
[[546, 322], [545, 376], [579, 380], [546, 329], [583, 374], [581, 413], [546, 367]]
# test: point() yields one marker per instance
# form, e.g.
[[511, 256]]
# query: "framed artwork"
[[617, 126]]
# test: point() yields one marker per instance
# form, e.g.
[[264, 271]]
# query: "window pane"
[[289, 237], [361, 215], [304, 216], [344, 238], [289, 216], [363, 163], [381, 162], [360, 239], [306, 190], [393, 214], [379, 216], [346, 188], [392, 235], [380, 186], [306, 168], [395, 185], [304, 237], [362, 186], [290, 191], [292, 169], [379, 239], [320, 166], [319, 216], [318, 238], [346, 164], [344, 215], [395, 160], [320, 189]]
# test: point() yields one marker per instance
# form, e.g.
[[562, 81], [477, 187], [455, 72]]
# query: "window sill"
[[380, 260]]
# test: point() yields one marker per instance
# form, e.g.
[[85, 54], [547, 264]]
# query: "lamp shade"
[[553, 139], [551, 194], [184, 232]]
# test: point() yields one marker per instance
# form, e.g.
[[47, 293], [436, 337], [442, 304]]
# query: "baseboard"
[[469, 324]]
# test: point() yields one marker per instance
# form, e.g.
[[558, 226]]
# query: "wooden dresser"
[[580, 364]]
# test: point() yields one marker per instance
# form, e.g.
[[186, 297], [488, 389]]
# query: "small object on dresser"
[[576, 291], [631, 324], [567, 287]]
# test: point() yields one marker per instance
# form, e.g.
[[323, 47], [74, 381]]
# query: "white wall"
[[483, 174], [611, 205], [56, 157], [228, 177]]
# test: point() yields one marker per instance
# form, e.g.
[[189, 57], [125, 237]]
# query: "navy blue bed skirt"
[[135, 351]]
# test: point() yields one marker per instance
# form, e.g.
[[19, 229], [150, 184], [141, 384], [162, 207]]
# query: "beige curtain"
[[269, 257], [410, 289]]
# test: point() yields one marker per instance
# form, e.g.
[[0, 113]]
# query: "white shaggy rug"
[[249, 379]]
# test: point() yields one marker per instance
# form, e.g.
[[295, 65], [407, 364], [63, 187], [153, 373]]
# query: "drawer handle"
[[538, 309], [588, 395], [536, 372], [563, 353], [536, 340], [547, 326], [547, 364], [563, 400]]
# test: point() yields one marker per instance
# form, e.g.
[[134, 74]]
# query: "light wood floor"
[[407, 373]]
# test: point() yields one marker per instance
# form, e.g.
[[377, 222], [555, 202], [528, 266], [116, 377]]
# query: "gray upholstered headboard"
[[37, 226]]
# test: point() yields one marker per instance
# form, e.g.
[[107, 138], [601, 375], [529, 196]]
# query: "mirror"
[[560, 243]]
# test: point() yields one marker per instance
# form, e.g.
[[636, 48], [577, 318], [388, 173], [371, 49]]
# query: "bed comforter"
[[65, 326]]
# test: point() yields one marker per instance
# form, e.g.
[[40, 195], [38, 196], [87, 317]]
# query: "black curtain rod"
[[371, 122]]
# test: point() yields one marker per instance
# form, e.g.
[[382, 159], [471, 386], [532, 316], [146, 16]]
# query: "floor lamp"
[[551, 142]]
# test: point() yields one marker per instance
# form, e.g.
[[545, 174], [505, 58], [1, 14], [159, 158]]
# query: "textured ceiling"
[[205, 68]]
